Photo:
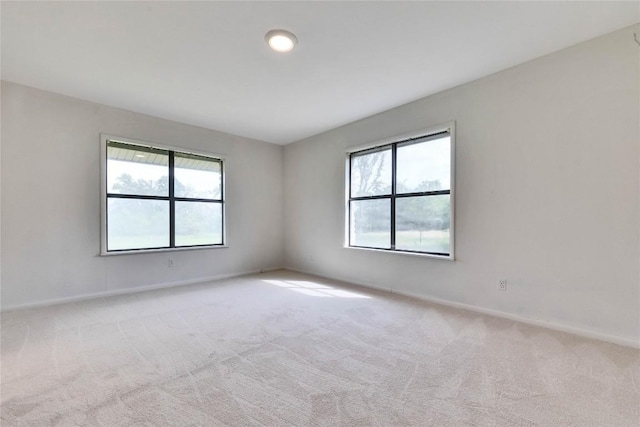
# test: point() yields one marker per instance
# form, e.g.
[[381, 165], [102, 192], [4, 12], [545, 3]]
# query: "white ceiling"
[[206, 63]]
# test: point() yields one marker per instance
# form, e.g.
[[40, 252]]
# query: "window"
[[160, 198], [400, 195]]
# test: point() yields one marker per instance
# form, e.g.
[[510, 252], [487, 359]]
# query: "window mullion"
[[394, 149], [135, 196], [172, 202], [223, 218], [349, 225]]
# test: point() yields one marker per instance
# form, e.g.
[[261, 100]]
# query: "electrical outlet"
[[502, 284], [170, 263]]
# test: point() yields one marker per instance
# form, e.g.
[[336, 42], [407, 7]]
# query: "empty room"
[[358, 213]]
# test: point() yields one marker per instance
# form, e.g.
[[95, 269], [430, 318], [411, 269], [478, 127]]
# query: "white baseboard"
[[601, 336], [125, 291]]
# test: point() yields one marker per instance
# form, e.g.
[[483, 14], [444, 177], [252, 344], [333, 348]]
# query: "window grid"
[[392, 196], [171, 198]]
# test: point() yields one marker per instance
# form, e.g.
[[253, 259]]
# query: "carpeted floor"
[[282, 349]]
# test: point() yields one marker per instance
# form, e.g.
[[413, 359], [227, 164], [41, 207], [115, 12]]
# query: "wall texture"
[[51, 201], [547, 193]]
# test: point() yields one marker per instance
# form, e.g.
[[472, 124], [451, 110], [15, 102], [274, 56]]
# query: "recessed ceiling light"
[[281, 40]]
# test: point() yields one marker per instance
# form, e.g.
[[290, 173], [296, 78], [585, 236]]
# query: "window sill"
[[415, 254], [150, 251]]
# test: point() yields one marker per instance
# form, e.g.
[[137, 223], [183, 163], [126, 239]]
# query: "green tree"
[[424, 212], [136, 217]]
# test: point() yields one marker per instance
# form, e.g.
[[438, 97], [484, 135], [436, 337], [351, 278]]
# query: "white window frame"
[[432, 130], [104, 140]]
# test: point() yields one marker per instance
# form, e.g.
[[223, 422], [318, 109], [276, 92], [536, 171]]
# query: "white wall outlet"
[[502, 284], [170, 263]]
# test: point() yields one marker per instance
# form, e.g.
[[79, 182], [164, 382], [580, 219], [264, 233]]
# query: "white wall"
[[51, 200], [547, 193]]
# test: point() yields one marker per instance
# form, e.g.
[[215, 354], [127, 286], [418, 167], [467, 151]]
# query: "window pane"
[[197, 176], [371, 174], [136, 170], [137, 224], [371, 223], [422, 223], [198, 223], [424, 166]]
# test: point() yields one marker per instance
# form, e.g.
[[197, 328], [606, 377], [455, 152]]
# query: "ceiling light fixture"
[[281, 40]]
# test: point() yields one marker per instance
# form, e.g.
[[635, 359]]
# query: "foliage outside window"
[[400, 196], [159, 198]]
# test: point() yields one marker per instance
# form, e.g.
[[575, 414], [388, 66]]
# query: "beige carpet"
[[285, 349]]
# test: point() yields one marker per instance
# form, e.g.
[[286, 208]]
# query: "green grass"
[[158, 241], [426, 241], [198, 239]]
